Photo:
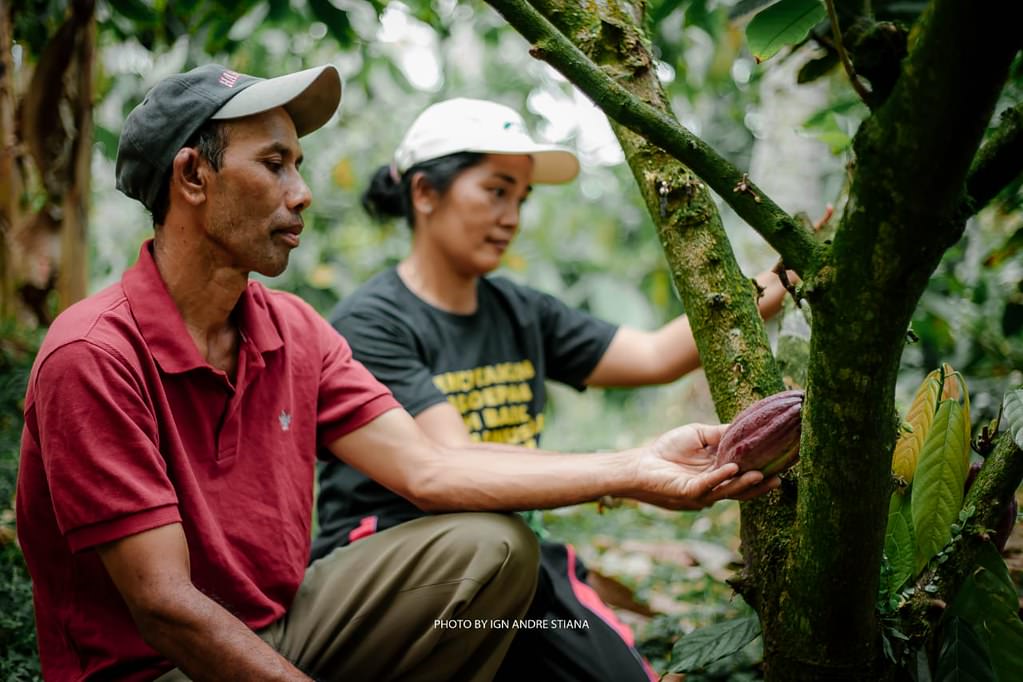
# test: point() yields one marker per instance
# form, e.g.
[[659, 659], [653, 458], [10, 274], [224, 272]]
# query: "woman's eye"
[[499, 192], [273, 164]]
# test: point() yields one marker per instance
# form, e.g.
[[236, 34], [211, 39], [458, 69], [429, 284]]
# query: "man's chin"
[[275, 268]]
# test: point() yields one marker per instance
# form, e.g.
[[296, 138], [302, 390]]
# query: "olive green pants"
[[411, 603]]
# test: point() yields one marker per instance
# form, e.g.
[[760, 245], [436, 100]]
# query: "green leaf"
[[336, 20], [785, 23], [746, 7], [817, 68], [706, 645], [939, 480], [964, 656], [107, 140], [1013, 415], [988, 602], [135, 10], [898, 543]]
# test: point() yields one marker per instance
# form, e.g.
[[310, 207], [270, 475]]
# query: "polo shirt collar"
[[163, 328]]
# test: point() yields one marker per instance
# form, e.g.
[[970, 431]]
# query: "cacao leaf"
[[898, 543], [949, 382], [706, 645], [988, 602], [964, 656], [923, 667], [954, 389], [1012, 413], [785, 23], [940, 477], [920, 415]]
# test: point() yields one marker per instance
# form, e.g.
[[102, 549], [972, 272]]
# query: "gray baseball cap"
[[178, 105]]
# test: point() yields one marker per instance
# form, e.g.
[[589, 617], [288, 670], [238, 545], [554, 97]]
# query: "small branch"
[[857, 84], [998, 162], [783, 232], [780, 270]]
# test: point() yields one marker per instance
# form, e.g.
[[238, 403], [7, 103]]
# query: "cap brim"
[[552, 165], [311, 97]]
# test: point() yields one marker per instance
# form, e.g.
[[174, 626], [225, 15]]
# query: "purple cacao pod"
[[765, 436], [1003, 529]]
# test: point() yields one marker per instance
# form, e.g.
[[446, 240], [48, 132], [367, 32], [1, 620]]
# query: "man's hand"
[[677, 471]]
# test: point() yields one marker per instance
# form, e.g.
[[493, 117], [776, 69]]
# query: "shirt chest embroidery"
[[285, 419]]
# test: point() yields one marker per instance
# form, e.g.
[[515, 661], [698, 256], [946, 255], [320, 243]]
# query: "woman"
[[467, 355]]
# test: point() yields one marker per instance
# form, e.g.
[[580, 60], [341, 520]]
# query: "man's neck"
[[205, 293]]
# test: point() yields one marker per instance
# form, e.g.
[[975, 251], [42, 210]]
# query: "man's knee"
[[502, 539]]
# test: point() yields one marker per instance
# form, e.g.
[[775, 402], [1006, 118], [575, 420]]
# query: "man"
[[172, 423]]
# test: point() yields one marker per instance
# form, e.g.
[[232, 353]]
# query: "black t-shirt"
[[490, 365]]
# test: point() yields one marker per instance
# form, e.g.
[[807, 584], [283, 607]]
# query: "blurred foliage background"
[[789, 121]]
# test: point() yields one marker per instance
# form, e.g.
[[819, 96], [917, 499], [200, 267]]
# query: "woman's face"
[[474, 222]]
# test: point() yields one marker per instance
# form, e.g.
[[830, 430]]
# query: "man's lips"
[[289, 235]]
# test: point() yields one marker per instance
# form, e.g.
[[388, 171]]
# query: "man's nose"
[[299, 195]]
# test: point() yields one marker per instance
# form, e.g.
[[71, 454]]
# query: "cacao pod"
[[1000, 534], [765, 436]]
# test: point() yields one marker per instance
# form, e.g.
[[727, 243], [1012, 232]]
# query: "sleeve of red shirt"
[[98, 438], [349, 395]]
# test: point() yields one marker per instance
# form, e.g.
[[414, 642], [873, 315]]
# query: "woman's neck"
[[434, 281]]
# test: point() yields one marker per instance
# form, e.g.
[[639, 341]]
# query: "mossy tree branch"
[[785, 234], [719, 301], [998, 162]]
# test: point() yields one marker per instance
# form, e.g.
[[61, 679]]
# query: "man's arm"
[[151, 571], [645, 358], [677, 471]]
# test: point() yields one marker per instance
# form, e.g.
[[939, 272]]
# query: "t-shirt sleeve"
[[388, 349], [349, 395], [574, 341], [98, 438]]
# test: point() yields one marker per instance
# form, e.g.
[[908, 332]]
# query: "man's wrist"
[[624, 472]]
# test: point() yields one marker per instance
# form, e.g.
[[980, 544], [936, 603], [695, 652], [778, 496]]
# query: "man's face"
[[255, 201]]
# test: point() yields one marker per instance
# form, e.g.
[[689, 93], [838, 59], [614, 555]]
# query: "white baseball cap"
[[475, 125]]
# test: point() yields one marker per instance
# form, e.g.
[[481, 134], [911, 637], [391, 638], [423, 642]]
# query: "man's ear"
[[189, 175], [424, 196]]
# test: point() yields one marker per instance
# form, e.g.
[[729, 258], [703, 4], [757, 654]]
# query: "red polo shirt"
[[127, 428]]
